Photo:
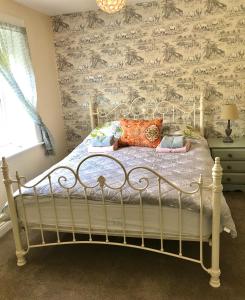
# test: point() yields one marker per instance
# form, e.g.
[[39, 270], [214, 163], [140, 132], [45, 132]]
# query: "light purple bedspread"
[[179, 168]]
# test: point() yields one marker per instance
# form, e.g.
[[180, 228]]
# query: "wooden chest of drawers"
[[232, 157]]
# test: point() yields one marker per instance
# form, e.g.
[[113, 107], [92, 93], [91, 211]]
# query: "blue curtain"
[[16, 69]]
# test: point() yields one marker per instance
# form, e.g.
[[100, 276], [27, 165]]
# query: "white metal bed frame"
[[215, 187]]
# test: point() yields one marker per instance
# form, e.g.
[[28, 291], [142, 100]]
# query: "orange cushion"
[[144, 133]]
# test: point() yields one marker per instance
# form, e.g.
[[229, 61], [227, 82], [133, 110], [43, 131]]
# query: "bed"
[[133, 192]]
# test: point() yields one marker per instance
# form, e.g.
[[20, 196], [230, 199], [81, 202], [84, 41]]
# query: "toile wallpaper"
[[162, 50]]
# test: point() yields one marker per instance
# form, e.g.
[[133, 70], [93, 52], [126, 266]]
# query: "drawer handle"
[[230, 155], [228, 179], [229, 167]]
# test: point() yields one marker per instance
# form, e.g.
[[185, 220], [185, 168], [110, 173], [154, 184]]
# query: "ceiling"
[[57, 7]]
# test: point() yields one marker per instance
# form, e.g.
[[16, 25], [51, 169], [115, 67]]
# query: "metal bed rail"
[[102, 184]]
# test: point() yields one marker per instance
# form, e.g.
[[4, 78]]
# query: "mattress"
[[133, 221]]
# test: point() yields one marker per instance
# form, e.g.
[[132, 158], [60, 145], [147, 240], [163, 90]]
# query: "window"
[[17, 129]]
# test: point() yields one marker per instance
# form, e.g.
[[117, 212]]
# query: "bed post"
[[91, 114], [216, 196], [20, 253], [201, 115]]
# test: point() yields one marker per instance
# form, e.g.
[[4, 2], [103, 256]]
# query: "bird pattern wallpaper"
[[168, 50]]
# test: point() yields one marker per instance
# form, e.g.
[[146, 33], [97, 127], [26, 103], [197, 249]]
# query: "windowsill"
[[18, 150]]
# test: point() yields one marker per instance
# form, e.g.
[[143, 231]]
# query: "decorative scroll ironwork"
[[140, 185], [102, 181], [138, 108], [143, 181]]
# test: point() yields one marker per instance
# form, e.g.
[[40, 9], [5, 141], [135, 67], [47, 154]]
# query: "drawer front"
[[234, 187], [233, 178], [233, 166], [229, 154]]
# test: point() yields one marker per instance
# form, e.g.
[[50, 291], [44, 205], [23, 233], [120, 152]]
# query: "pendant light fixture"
[[111, 6]]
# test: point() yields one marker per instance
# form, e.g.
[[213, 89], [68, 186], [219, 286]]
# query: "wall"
[[171, 50], [33, 161]]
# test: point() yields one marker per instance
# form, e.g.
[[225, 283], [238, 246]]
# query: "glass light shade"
[[229, 112], [111, 6]]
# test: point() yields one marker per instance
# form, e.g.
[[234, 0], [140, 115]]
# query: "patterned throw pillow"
[[190, 132], [112, 128], [144, 133]]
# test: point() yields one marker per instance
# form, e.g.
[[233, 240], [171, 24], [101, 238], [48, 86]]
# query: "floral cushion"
[[145, 133], [186, 130], [190, 132], [107, 130]]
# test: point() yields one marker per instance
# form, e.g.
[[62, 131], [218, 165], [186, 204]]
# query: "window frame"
[[19, 148]]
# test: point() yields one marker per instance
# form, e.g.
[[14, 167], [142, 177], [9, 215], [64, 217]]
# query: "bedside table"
[[232, 156]]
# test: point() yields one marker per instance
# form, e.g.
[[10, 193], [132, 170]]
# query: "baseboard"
[[4, 228]]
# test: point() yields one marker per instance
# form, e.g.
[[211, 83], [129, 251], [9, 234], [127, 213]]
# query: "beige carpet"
[[99, 272]]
